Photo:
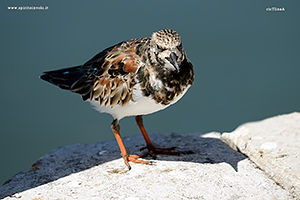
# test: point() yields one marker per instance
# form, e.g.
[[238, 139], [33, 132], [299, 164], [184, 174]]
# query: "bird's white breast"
[[140, 105]]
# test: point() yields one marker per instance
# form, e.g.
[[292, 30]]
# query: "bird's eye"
[[160, 48]]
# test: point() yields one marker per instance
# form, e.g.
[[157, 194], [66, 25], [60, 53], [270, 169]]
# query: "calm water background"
[[246, 60]]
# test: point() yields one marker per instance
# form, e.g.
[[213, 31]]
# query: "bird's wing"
[[108, 77]]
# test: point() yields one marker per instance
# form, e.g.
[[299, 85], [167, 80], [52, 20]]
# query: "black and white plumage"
[[132, 78]]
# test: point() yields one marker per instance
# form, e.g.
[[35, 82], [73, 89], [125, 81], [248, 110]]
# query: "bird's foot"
[[134, 158]]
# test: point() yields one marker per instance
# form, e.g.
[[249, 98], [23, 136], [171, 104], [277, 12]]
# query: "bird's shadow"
[[63, 161], [206, 148]]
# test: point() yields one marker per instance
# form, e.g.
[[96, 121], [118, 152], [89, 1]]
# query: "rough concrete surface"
[[273, 145], [214, 171]]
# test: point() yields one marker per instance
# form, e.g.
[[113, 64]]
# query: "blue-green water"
[[246, 60]]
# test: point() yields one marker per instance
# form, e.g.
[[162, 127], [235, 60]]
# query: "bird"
[[135, 77]]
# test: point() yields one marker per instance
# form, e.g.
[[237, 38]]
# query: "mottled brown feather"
[[114, 85]]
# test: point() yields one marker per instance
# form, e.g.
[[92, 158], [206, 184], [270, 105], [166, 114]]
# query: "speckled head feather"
[[166, 50], [166, 38]]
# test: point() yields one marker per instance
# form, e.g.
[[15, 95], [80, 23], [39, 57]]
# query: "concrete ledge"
[[96, 171], [274, 146]]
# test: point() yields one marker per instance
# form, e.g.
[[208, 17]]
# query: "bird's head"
[[166, 50]]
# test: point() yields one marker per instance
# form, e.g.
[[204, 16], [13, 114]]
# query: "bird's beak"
[[173, 60]]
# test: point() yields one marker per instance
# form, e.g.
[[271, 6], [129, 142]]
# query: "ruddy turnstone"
[[132, 78]]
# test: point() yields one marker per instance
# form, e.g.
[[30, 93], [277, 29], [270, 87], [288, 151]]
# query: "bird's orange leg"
[[132, 158], [152, 150]]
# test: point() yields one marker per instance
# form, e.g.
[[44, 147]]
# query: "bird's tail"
[[63, 78]]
